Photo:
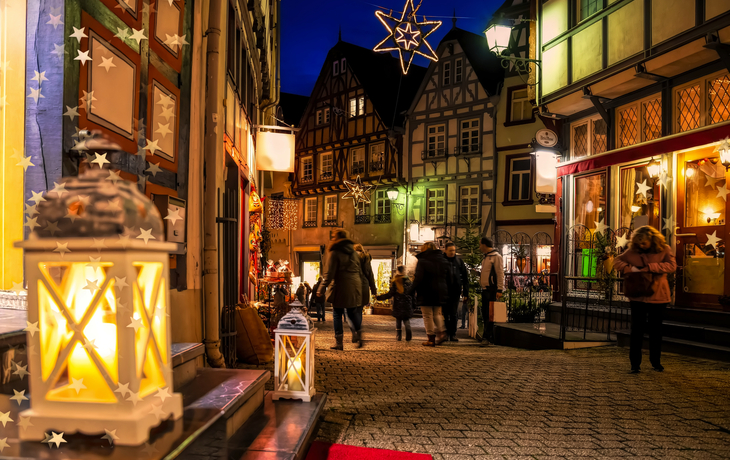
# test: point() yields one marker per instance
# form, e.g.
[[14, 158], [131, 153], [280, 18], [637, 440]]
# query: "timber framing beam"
[[722, 50]]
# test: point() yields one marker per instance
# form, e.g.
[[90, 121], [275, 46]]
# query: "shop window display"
[[704, 205], [639, 205], [590, 200]]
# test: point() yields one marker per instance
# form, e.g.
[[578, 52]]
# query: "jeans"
[[399, 321], [432, 320], [319, 308], [488, 296], [450, 318], [352, 319], [639, 313], [464, 313], [358, 313]]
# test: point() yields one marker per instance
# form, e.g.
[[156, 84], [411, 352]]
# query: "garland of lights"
[[407, 35], [282, 214]]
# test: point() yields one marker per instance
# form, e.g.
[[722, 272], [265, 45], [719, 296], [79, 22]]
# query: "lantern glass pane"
[[150, 310], [67, 294], [292, 363]]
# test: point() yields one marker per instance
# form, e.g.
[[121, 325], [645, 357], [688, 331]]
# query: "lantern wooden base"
[[303, 395], [132, 428]]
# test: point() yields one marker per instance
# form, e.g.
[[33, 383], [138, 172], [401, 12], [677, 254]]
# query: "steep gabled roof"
[[380, 75], [293, 107], [486, 65]]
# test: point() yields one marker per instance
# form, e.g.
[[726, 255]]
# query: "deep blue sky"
[[310, 28]]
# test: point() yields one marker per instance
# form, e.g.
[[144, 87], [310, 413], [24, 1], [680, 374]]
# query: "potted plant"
[[519, 252], [605, 252]]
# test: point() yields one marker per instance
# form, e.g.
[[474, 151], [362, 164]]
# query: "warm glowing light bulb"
[[635, 208], [589, 206], [690, 172]]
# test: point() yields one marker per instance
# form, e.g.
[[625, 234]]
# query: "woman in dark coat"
[[368, 284], [402, 302], [345, 287], [431, 291]]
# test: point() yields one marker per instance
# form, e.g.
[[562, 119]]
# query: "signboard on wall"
[[275, 149]]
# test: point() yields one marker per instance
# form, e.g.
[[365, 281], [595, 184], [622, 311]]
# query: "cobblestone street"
[[462, 402]]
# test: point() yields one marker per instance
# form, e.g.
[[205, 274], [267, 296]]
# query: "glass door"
[[701, 230]]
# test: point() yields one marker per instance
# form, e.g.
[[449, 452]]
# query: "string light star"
[[357, 191], [407, 35]]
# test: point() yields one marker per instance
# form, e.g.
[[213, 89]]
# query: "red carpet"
[[325, 451]]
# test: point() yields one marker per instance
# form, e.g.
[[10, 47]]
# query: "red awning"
[[658, 147]]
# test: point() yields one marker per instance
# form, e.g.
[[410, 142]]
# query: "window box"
[[309, 224], [329, 223], [382, 218], [364, 219]]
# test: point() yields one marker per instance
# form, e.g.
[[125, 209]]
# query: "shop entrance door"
[[311, 267], [701, 230]]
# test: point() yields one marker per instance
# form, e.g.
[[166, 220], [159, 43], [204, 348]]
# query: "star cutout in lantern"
[[407, 35], [357, 191]]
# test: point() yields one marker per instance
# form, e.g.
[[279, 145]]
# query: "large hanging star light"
[[357, 191], [407, 35]]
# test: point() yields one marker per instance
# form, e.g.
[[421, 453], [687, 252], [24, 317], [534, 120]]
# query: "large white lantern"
[[498, 36], [294, 360], [98, 280]]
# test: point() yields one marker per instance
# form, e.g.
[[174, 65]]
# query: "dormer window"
[[343, 66], [336, 68]]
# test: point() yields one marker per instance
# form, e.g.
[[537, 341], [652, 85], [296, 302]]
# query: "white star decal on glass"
[[5, 418], [107, 63], [153, 169], [173, 216], [32, 223], [61, 248], [643, 188], [122, 34], [138, 35], [55, 21], [56, 439], [39, 77], [110, 436], [713, 239], [59, 50], [19, 397], [26, 163], [83, 57], [36, 94], [36, 197], [78, 34], [31, 327], [146, 235], [78, 385], [71, 112], [722, 192]]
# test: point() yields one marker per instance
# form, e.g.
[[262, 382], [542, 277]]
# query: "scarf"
[[398, 280]]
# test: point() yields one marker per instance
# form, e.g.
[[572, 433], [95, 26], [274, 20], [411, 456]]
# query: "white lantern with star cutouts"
[[294, 361], [98, 313]]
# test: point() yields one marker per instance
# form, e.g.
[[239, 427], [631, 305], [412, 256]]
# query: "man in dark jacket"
[[345, 287], [431, 291], [368, 284], [458, 290], [317, 302]]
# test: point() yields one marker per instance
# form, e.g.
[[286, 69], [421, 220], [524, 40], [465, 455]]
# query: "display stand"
[[274, 313]]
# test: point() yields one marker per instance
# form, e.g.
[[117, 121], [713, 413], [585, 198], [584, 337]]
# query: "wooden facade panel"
[[554, 19], [555, 68], [715, 8], [624, 26], [588, 51], [670, 18]]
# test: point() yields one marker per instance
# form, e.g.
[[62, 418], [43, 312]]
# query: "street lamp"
[[498, 38], [392, 193]]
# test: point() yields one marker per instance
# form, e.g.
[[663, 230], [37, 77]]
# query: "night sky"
[[310, 28]]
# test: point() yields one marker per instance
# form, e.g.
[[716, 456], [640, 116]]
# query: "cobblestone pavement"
[[462, 402]]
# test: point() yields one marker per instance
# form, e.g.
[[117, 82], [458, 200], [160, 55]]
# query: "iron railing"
[[362, 219], [599, 309], [309, 224], [382, 218], [433, 153], [329, 223]]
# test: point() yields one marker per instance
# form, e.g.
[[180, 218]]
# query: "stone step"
[[698, 317], [186, 358], [712, 335], [680, 346]]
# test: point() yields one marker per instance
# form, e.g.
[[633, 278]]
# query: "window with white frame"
[[327, 115], [358, 160], [319, 117], [361, 105], [436, 212], [326, 166], [310, 209], [588, 137], [520, 181], [436, 145], [382, 203], [336, 68], [362, 209], [446, 80], [353, 107], [520, 107], [377, 157], [330, 207], [702, 103], [469, 202], [307, 170], [470, 135], [458, 70], [639, 121]]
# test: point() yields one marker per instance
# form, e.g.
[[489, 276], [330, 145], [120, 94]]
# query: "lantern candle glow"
[[294, 361]]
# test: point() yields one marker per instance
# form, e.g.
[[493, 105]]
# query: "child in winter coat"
[[402, 303]]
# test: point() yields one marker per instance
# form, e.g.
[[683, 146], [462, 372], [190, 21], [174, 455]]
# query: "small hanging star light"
[[357, 191], [407, 35]]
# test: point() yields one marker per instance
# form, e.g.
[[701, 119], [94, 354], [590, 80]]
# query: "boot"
[[409, 335], [358, 335], [442, 337], [355, 337], [453, 339], [398, 335], [338, 344], [431, 342]]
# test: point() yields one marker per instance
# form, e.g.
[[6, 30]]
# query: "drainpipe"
[[278, 64], [210, 228]]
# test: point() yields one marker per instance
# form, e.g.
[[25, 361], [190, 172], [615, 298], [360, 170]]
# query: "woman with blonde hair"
[[431, 291], [645, 266]]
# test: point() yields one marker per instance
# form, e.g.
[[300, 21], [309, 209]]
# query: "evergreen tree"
[[468, 246]]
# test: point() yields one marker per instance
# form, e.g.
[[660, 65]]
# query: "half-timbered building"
[[352, 127], [450, 143]]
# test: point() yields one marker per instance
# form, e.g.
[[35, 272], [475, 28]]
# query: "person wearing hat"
[[343, 278]]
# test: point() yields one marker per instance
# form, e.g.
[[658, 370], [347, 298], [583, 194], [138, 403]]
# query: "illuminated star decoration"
[[407, 35], [357, 191]]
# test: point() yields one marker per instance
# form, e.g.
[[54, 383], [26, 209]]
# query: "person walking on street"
[[492, 282], [431, 291], [645, 266], [458, 290], [345, 286], [402, 302], [368, 285], [301, 292], [318, 301]]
